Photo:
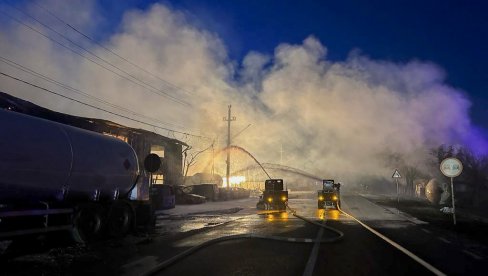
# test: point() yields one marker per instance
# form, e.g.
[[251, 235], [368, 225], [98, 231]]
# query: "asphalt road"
[[360, 252]]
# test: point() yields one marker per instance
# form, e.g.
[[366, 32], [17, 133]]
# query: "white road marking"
[[313, 255], [426, 231], [408, 217], [444, 240], [473, 255], [136, 267], [399, 247]]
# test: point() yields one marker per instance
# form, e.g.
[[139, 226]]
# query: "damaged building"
[[142, 141]]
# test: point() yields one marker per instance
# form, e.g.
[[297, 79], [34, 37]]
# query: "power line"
[[75, 90], [137, 82], [84, 49], [242, 130], [167, 83], [99, 108]]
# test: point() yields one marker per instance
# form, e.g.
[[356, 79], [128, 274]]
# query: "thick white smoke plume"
[[334, 119]]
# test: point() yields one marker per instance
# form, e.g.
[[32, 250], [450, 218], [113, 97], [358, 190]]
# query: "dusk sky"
[[451, 34], [333, 83]]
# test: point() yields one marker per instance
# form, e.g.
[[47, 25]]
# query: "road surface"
[[360, 252], [292, 249]]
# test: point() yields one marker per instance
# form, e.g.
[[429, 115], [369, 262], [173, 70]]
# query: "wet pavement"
[[292, 252], [268, 257], [457, 250], [359, 253]]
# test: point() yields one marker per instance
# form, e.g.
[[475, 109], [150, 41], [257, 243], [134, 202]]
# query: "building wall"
[[171, 163], [173, 160]]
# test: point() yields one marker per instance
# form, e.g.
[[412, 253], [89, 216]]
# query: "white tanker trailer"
[[57, 177]]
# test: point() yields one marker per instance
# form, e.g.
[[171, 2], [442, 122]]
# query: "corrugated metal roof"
[[10, 102]]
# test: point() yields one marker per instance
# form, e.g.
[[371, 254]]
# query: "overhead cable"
[[167, 83], [129, 77], [78, 91], [99, 108]]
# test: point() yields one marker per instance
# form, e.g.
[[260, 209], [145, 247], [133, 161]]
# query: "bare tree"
[[190, 159], [411, 173]]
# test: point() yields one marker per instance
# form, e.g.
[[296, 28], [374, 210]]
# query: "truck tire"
[[88, 223], [320, 205], [119, 220], [260, 205]]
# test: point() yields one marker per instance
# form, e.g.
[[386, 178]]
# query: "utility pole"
[[228, 119], [213, 159]]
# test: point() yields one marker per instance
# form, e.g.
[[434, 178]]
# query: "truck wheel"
[[88, 223], [320, 205], [119, 220], [260, 205]]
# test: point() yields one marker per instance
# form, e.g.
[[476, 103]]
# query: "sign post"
[[397, 175], [452, 167]]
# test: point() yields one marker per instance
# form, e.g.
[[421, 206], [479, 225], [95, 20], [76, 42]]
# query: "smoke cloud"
[[334, 119]]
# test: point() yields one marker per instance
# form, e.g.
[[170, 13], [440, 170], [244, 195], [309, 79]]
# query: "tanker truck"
[[56, 177]]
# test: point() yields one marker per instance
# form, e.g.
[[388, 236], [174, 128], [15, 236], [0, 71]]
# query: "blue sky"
[[268, 59], [452, 34]]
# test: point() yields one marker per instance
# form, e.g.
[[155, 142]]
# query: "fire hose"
[[161, 266]]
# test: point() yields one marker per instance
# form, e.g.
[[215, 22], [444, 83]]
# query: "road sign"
[[396, 174], [451, 167]]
